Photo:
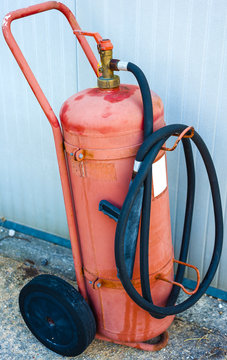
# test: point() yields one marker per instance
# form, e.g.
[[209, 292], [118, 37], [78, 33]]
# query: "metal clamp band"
[[100, 154]]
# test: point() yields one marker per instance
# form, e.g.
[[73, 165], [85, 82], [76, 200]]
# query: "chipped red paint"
[[101, 111], [79, 129], [77, 98], [114, 95], [99, 92], [122, 94], [106, 115]]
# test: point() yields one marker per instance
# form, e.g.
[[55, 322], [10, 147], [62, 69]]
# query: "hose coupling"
[[118, 65]]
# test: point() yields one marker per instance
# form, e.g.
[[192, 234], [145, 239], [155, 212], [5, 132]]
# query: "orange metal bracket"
[[182, 135], [58, 139], [160, 277]]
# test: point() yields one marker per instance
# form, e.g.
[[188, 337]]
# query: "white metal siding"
[[182, 47]]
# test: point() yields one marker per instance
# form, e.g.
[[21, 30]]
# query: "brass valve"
[[107, 79]]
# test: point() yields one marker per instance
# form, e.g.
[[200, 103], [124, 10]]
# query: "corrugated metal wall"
[[182, 47]]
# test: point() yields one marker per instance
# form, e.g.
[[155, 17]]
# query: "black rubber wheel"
[[57, 315]]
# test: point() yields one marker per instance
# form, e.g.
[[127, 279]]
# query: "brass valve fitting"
[[108, 80], [105, 48]]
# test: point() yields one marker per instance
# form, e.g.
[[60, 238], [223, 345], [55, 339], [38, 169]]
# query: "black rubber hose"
[[146, 97], [146, 155], [145, 216], [187, 219], [146, 205]]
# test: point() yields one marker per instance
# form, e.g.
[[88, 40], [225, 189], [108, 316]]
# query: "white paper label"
[[159, 176]]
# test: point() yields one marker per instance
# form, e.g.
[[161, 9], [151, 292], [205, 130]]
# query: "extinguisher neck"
[[107, 80]]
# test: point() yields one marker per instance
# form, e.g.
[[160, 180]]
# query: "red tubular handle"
[[65, 181], [31, 10]]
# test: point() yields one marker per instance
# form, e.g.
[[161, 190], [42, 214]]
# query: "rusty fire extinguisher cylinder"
[[112, 164]]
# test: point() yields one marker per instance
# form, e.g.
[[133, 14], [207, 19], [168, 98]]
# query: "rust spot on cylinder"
[[101, 171], [88, 154]]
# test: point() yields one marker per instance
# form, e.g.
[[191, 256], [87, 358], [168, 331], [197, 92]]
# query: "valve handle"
[[103, 44], [95, 35]]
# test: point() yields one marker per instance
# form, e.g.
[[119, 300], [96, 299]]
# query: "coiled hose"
[[146, 156]]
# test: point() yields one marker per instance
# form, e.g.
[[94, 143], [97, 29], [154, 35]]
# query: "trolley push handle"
[[35, 9], [56, 129]]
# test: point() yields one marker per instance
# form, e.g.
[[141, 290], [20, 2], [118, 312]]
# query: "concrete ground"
[[199, 333]]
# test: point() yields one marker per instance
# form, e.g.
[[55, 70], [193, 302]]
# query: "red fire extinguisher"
[[112, 161]]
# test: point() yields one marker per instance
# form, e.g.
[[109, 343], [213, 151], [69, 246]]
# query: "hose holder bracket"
[[183, 134], [160, 277]]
